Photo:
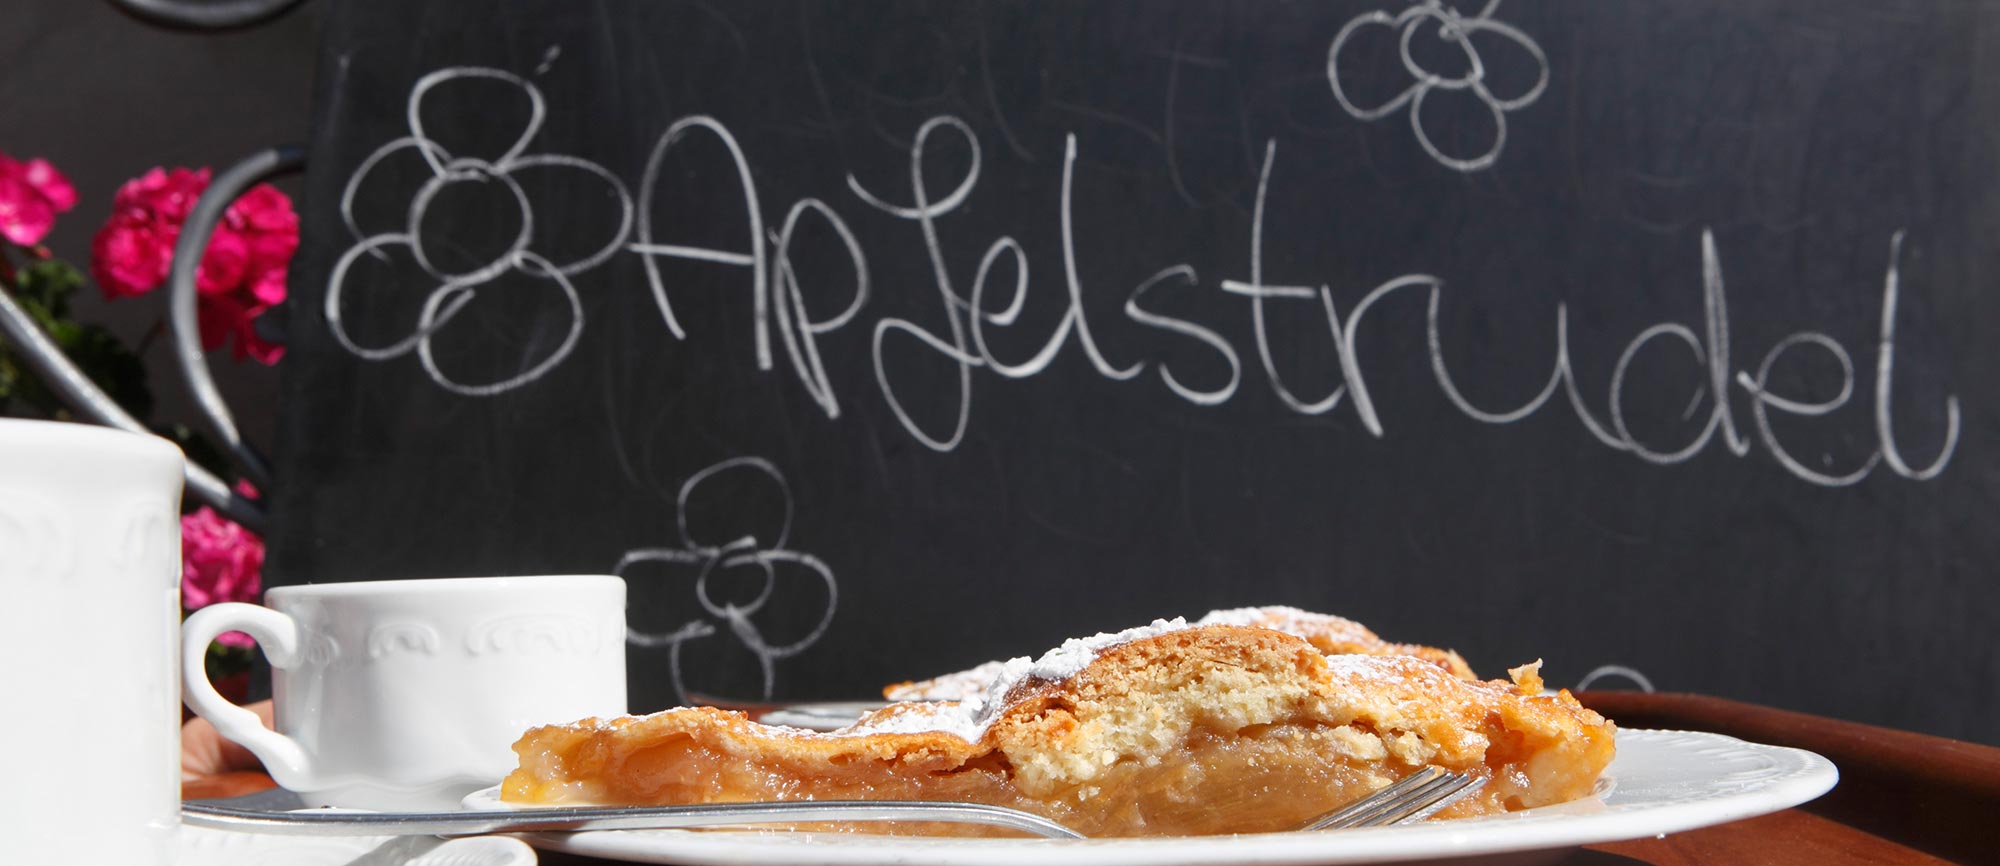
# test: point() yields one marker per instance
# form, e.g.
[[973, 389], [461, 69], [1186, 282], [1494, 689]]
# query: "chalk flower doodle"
[[453, 290], [705, 562], [1458, 30]]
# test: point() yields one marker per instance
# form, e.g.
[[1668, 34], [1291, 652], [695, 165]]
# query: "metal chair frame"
[[91, 403]]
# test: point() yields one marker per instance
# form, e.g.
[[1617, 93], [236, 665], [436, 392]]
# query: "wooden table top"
[[1903, 798]]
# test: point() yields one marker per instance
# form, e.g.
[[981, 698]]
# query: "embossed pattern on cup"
[[409, 694], [145, 537], [534, 634], [36, 545], [402, 638]]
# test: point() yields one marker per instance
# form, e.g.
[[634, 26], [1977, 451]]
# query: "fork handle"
[[338, 823]]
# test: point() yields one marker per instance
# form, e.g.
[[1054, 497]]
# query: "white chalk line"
[[776, 289], [713, 616], [1454, 28]]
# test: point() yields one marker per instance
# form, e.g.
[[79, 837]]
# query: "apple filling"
[[1262, 779], [1197, 732]]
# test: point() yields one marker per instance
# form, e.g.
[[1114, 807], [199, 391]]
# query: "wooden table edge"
[[1928, 794]]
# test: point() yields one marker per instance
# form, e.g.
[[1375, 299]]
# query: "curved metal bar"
[[84, 397], [186, 324], [219, 15]]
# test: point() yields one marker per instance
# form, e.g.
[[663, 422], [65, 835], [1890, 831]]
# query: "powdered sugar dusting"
[[1248, 615], [1291, 620], [1377, 668], [950, 717], [1065, 661], [968, 718], [950, 687], [964, 704]]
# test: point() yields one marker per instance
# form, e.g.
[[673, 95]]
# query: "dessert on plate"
[[1169, 729]]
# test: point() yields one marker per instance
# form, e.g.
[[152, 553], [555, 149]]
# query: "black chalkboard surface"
[[870, 340]]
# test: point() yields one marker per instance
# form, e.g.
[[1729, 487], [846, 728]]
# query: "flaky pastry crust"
[[1333, 635], [1210, 729]]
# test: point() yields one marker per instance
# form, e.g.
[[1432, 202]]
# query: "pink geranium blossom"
[[31, 194], [242, 272], [223, 316], [132, 252], [262, 227], [220, 561]]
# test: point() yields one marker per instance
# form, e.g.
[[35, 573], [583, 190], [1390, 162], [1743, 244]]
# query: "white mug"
[[407, 695], [89, 608]]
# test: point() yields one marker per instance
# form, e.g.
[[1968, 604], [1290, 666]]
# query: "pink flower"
[[31, 194], [269, 287], [223, 264], [242, 272], [133, 260], [264, 217], [131, 254], [220, 561], [224, 316], [262, 224]]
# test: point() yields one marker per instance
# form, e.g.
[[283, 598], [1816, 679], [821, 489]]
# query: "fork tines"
[[1412, 798]]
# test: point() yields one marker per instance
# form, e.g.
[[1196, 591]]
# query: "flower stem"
[[145, 342]]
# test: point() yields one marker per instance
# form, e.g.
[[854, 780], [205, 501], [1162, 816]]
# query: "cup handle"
[[278, 635]]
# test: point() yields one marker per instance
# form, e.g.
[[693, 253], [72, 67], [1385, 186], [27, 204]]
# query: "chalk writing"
[[973, 312], [1600, 672], [453, 291], [1457, 30], [926, 214], [745, 550]]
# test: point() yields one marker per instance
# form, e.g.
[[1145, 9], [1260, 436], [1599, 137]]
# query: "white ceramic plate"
[[207, 846], [1661, 782]]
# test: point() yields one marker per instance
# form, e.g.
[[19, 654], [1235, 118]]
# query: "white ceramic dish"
[[1661, 782], [204, 846]]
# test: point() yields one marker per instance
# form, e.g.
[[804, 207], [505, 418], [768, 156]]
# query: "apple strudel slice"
[[1165, 730]]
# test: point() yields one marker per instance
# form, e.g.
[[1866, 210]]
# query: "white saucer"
[[204, 846]]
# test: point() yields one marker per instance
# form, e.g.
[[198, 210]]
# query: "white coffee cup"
[[89, 608], [407, 695]]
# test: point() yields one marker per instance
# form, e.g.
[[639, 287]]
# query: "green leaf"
[[44, 291], [9, 377], [43, 317], [21, 391], [98, 353], [223, 660], [44, 288], [47, 284], [199, 450], [64, 332]]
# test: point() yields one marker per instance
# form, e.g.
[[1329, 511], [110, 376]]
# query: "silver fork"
[[1419, 795], [1415, 797]]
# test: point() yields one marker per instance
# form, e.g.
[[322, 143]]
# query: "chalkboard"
[[874, 340]]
